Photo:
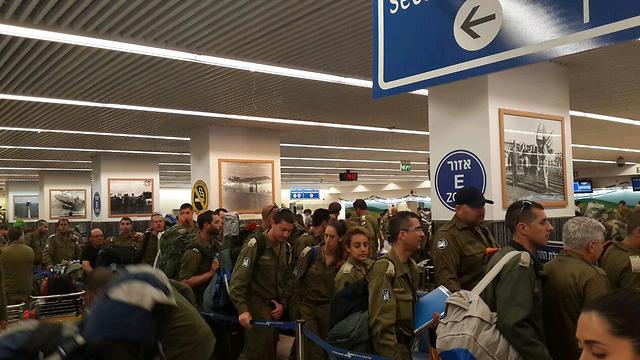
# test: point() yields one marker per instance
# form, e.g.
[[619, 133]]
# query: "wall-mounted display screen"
[[635, 183], [582, 186]]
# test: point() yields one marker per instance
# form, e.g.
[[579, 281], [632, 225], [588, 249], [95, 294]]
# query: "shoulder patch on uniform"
[[635, 263], [305, 251], [196, 250], [246, 261], [346, 268], [252, 242], [391, 270], [442, 244], [525, 259], [386, 295]]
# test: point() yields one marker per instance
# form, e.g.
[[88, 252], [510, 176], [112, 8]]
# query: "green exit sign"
[[405, 167]]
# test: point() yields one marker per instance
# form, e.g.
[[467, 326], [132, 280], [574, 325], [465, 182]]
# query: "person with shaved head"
[[90, 251]]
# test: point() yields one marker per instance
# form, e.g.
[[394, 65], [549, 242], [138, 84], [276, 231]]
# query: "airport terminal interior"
[[124, 109]]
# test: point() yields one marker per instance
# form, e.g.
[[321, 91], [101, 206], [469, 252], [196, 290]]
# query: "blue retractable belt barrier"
[[227, 319], [340, 353]]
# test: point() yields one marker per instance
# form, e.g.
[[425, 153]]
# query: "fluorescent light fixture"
[[8, 128], [354, 160], [174, 164], [41, 169], [176, 171], [50, 161], [605, 118], [95, 150], [594, 161], [353, 148], [596, 147], [284, 174], [208, 114], [120, 46], [19, 175], [335, 168]]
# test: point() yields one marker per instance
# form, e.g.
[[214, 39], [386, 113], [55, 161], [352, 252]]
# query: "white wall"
[[172, 198], [109, 166], [61, 180], [21, 188], [210, 144]]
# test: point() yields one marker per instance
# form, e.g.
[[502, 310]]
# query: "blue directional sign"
[[456, 170], [421, 43], [96, 204], [549, 252], [300, 193]]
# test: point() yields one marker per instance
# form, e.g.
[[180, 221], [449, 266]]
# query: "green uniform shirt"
[[459, 254], [37, 243], [151, 250], [59, 248], [317, 284], [302, 242], [121, 239], [516, 295], [186, 335], [17, 263], [258, 279], [3, 297], [171, 250], [392, 296], [370, 225], [571, 283], [622, 265], [350, 274], [194, 263]]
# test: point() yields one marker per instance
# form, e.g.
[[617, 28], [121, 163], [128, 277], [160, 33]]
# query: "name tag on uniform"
[[399, 290], [635, 263]]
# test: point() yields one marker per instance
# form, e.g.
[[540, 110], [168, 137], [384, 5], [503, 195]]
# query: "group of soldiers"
[[614, 219], [537, 306]]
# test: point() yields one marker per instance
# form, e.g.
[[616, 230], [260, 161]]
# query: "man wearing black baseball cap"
[[462, 247]]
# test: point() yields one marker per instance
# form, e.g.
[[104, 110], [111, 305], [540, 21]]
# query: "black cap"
[[360, 204], [471, 196]]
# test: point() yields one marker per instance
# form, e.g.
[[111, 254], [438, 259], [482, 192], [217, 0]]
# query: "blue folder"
[[433, 302]]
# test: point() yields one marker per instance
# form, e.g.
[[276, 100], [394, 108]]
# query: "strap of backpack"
[[488, 278]]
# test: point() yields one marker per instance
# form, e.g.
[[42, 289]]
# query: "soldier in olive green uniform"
[[621, 261], [3, 301], [393, 281], [516, 293], [573, 280], [37, 240], [149, 242], [459, 249], [17, 263], [61, 246], [314, 236], [257, 284], [172, 243], [350, 273], [125, 237], [315, 275], [362, 218], [357, 264], [198, 264]]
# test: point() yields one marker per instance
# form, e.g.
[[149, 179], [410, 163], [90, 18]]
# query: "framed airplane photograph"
[[245, 186], [68, 203]]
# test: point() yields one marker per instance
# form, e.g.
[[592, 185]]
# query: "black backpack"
[[118, 255]]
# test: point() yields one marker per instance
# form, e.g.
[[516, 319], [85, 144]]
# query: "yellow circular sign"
[[200, 196]]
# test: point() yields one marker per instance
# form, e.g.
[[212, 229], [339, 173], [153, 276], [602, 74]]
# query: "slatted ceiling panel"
[[593, 154], [590, 132]]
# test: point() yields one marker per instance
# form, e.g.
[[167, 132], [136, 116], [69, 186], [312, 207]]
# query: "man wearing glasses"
[[462, 247], [516, 293], [392, 289]]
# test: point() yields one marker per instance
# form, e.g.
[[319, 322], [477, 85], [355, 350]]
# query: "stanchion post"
[[299, 340]]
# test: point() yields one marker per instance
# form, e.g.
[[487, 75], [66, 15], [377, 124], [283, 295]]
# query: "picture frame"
[[130, 197], [26, 207], [67, 203], [246, 186], [533, 158]]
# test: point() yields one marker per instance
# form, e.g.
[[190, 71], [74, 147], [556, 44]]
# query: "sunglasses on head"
[[526, 204]]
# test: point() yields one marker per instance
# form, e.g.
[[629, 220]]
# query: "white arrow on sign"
[[477, 23]]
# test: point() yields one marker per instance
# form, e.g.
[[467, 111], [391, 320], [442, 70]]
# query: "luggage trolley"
[[427, 275], [15, 313], [58, 308]]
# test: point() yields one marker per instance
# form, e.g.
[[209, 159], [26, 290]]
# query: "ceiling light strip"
[[137, 136], [354, 169], [50, 160], [330, 147], [95, 150], [596, 147], [120, 46], [208, 114], [353, 160], [605, 118], [41, 169]]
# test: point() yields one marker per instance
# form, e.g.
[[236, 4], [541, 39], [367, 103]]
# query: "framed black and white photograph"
[[69, 203], [246, 186], [130, 197], [25, 207], [533, 158]]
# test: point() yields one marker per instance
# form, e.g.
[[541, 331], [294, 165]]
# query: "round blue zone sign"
[[456, 170]]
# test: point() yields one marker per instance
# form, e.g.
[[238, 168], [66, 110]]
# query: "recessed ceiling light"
[[208, 114], [605, 118], [596, 147], [351, 168], [354, 148], [95, 150], [50, 160], [120, 46], [174, 164], [594, 161], [353, 160], [41, 169]]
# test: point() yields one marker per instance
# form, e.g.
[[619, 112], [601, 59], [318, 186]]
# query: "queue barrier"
[[16, 313], [300, 331]]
